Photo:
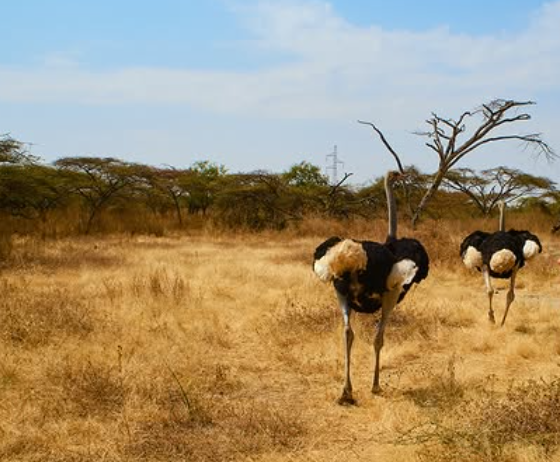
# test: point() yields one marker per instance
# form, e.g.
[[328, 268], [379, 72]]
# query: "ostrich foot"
[[376, 390], [491, 317], [346, 399]]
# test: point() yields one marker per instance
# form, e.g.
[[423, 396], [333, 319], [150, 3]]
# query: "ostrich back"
[[500, 241], [475, 239], [531, 243]]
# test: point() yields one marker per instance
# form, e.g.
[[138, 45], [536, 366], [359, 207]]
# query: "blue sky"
[[255, 84]]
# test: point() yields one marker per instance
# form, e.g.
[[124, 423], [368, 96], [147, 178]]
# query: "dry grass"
[[490, 425], [227, 348]]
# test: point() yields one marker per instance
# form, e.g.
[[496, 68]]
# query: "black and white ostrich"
[[499, 255], [368, 276]]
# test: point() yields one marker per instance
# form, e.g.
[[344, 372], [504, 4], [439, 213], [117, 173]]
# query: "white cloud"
[[336, 70]]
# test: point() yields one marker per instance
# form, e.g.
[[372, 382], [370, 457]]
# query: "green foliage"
[[98, 181], [208, 170], [305, 175], [108, 194], [254, 201], [201, 185], [487, 187], [13, 151], [31, 191]]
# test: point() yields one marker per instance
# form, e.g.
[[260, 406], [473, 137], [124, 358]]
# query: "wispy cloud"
[[333, 69]]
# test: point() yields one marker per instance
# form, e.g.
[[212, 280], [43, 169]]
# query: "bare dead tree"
[[452, 140], [335, 188], [332, 197]]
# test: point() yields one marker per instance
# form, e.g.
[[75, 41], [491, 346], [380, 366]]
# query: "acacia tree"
[[454, 139], [305, 175], [162, 189], [253, 200], [98, 181], [307, 187], [201, 182], [32, 190], [486, 188], [13, 151]]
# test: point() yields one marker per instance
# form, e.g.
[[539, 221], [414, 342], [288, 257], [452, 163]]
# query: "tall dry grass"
[[226, 347]]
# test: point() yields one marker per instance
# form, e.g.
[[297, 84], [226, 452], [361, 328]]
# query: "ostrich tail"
[[472, 258], [345, 256], [502, 261]]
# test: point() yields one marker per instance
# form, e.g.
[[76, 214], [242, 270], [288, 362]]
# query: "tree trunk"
[[178, 210], [91, 217], [427, 197]]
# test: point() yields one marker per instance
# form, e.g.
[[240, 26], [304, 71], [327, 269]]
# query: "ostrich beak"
[[399, 176], [396, 176]]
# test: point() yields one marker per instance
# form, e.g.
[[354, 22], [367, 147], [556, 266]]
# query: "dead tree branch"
[[453, 140]]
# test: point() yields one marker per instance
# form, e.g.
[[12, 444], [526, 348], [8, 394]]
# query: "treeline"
[[94, 194]]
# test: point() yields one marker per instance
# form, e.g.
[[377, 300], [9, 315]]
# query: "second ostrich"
[[499, 255], [369, 276]]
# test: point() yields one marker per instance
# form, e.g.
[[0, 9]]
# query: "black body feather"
[[526, 236], [475, 239], [410, 249], [322, 249], [502, 240], [363, 288]]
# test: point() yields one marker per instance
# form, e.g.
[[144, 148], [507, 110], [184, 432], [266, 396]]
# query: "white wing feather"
[[402, 273], [530, 249]]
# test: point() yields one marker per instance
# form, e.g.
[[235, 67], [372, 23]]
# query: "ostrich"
[[368, 276], [499, 255]]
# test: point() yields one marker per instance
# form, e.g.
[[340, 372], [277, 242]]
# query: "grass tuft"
[[32, 319], [491, 425], [90, 387], [444, 390]]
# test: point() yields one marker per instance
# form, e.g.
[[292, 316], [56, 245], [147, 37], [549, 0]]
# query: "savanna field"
[[215, 346]]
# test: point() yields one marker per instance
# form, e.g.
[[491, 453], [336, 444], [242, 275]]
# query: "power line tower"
[[333, 166]]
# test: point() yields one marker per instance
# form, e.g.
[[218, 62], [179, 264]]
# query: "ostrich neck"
[[391, 210], [502, 207]]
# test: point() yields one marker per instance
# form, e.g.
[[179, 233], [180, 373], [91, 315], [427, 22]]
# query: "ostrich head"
[[392, 176]]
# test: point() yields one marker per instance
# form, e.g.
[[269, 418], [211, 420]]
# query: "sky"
[[263, 85]]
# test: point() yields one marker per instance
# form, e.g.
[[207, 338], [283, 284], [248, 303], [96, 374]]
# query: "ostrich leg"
[[511, 294], [346, 397], [489, 291], [388, 304]]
